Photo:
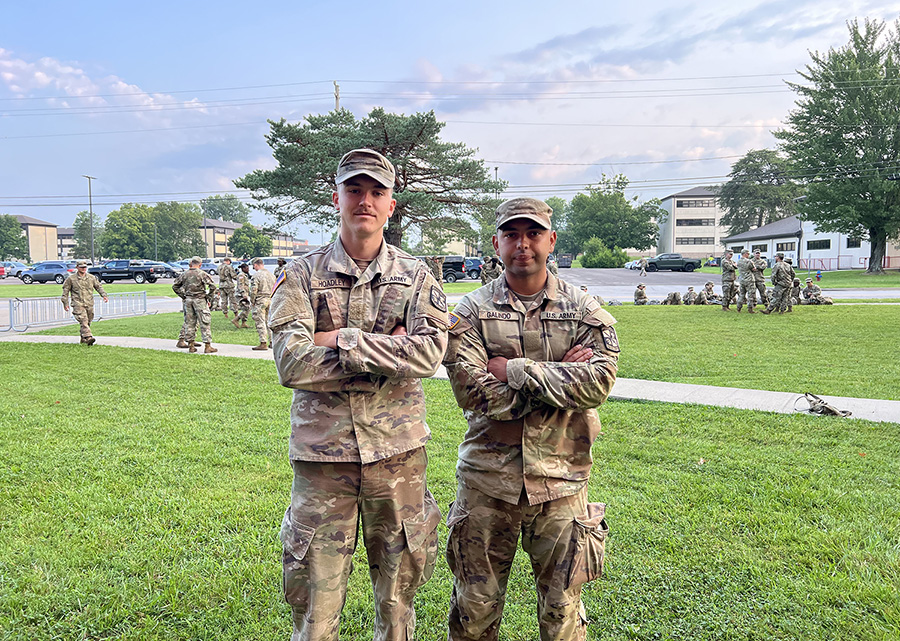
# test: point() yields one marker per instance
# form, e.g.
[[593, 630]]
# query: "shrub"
[[596, 254]]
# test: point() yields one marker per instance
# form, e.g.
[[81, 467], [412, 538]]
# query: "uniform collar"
[[503, 294], [341, 262]]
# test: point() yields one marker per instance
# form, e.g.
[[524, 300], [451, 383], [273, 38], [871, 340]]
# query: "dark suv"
[[473, 267], [56, 271], [454, 268]]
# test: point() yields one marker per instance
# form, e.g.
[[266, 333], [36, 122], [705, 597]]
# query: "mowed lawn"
[[843, 350], [141, 495]]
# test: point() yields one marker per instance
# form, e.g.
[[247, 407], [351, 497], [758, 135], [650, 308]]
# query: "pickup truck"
[[139, 271], [675, 262]]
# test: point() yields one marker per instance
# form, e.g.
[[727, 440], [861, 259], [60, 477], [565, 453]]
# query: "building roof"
[[789, 226], [693, 191], [65, 231], [219, 224], [28, 220]]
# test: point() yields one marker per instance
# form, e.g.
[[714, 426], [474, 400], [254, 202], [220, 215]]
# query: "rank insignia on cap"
[[610, 340], [454, 320], [438, 299], [278, 281]]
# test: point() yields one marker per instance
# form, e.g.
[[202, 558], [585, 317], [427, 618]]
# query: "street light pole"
[[91, 212]]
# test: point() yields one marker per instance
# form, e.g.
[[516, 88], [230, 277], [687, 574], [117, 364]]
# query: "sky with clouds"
[[169, 100]]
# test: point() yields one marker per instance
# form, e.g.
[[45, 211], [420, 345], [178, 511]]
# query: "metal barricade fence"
[[35, 312]]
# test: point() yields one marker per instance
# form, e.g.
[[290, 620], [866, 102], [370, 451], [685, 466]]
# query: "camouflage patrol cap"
[[779, 255], [756, 251], [709, 282], [729, 251], [81, 263], [690, 289], [366, 162], [530, 208], [745, 251], [640, 284], [809, 280]]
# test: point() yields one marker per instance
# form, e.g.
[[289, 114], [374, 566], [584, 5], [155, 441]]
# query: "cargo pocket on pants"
[[588, 546], [420, 532], [295, 540]]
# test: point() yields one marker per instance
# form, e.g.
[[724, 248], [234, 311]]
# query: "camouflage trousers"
[[565, 539], [243, 312], [196, 310], [761, 290], [728, 289], [399, 518], [85, 316], [780, 298], [747, 294], [260, 311], [228, 300]]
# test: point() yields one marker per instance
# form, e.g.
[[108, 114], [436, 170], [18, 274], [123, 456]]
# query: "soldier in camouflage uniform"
[[529, 359], [708, 295], [643, 266], [782, 277], [357, 323], [79, 287], [759, 276], [553, 267], [242, 293], [812, 295], [640, 295], [261, 285], [690, 297], [795, 294], [227, 276], [747, 283], [281, 263], [196, 288], [728, 270], [788, 304], [673, 298], [490, 270]]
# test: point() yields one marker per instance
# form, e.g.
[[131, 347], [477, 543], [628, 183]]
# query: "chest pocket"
[[391, 308], [558, 331], [328, 310], [502, 333]]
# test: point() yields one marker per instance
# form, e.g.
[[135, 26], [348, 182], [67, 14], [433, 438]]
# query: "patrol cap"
[[729, 251], [809, 280], [530, 208], [756, 251], [745, 251], [369, 163], [640, 284], [779, 255], [81, 263], [709, 282]]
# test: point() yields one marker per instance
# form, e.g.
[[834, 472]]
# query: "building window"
[[694, 241], [854, 243], [759, 248], [812, 245], [695, 222], [711, 202], [785, 247]]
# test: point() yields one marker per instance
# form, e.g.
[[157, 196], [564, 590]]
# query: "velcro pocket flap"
[[295, 537]]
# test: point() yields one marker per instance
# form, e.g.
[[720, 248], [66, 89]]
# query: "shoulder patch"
[[454, 320], [610, 339], [279, 280], [438, 298]]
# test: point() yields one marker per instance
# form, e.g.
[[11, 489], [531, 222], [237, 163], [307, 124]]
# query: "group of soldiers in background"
[[491, 269], [238, 291]]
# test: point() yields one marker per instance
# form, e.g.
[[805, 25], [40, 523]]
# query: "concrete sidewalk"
[[625, 388]]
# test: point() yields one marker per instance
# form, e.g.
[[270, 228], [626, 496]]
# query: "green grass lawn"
[[37, 290], [141, 495], [835, 350]]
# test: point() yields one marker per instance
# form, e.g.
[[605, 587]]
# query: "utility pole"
[[496, 191], [337, 95], [91, 212]]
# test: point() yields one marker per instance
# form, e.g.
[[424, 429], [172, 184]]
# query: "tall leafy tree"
[[605, 213], [559, 221], [441, 188], [228, 207], [760, 190], [177, 230], [82, 229], [249, 241], [13, 243], [168, 230], [128, 232], [844, 137]]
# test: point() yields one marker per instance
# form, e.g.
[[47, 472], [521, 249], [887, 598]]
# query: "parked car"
[[210, 267], [56, 271], [454, 268], [176, 269], [2, 271], [675, 262], [473, 267], [141, 271], [632, 264], [14, 268], [565, 260]]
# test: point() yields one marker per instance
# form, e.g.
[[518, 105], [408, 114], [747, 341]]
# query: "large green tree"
[[13, 243], [843, 137], [228, 207], [605, 213], [560, 224], [178, 230], [249, 241], [82, 229], [760, 190], [441, 188], [168, 231]]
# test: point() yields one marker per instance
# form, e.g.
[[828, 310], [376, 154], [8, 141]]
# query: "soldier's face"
[[365, 205], [523, 246]]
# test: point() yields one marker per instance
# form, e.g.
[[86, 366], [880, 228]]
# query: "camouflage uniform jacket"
[[242, 290], [363, 401], [227, 276], [728, 269], [536, 430], [760, 264], [81, 289], [812, 290], [782, 275], [745, 271], [261, 285], [640, 295], [194, 283], [278, 271]]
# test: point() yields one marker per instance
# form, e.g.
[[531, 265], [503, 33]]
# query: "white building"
[[693, 227], [802, 242]]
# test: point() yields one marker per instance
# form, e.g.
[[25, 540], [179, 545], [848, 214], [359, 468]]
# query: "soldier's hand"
[[65, 308], [326, 339], [497, 367], [399, 330], [105, 299], [578, 354]]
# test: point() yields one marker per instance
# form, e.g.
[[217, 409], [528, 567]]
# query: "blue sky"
[[169, 101]]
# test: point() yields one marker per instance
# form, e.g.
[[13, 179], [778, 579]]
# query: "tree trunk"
[[877, 243], [393, 235]]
